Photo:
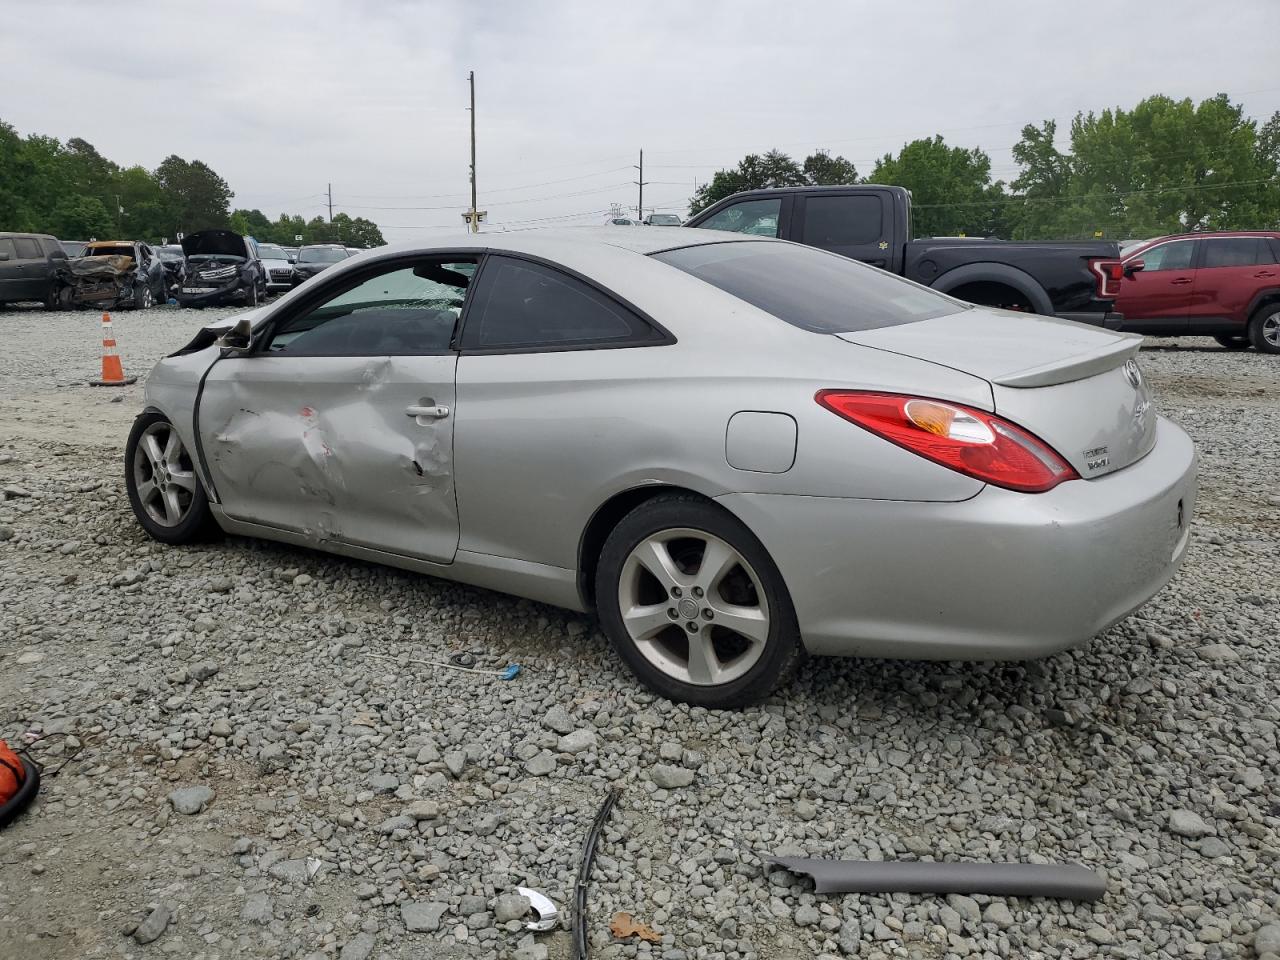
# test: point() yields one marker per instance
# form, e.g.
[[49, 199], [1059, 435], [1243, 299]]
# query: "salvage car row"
[[209, 267]]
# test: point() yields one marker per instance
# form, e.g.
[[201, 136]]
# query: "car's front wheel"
[[1264, 329], [694, 605], [164, 489]]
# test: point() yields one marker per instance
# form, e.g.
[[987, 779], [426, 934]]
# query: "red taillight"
[[977, 444], [1109, 274]]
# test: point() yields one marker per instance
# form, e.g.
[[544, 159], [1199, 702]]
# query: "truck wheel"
[[1264, 329], [695, 606]]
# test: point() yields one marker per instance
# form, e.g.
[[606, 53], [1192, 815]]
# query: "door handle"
[[430, 413], [1263, 274], [1180, 281]]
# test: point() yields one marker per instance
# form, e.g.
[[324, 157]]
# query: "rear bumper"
[[1108, 319], [1001, 576]]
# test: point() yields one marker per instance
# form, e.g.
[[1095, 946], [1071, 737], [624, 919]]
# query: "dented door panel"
[[326, 447]]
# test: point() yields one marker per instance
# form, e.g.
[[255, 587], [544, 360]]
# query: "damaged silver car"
[[113, 274], [222, 267], [734, 450]]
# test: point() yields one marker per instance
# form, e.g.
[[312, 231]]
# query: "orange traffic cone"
[[112, 370]]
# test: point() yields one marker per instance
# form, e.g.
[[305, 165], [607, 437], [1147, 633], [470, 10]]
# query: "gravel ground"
[[251, 776]]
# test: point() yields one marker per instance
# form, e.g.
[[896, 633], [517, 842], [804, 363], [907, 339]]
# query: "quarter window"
[[529, 306], [1237, 252], [756, 217], [1168, 256], [835, 222], [408, 311]]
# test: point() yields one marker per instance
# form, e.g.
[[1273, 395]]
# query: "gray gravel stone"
[[191, 800], [155, 924], [577, 742], [541, 764], [258, 909], [1267, 939], [509, 907], [422, 917], [669, 777], [1186, 823], [359, 947], [558, 720]]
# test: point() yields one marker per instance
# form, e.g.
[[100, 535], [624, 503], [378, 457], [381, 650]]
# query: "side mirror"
[[1133, 266], [239, 338]]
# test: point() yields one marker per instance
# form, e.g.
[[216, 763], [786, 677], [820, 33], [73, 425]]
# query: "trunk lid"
[[1076, 387]]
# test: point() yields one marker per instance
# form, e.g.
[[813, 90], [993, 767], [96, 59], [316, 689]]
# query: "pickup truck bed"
[[1075, 280]]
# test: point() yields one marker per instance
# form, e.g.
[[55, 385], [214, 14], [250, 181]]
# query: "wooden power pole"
[[475, 216]]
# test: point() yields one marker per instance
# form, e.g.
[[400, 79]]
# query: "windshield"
[[811, 289], [170, 252], [664, 220], [270, 251], [321, 254]]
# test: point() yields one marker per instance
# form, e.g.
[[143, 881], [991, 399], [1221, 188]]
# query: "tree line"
[[73, 192], [1165, 166]]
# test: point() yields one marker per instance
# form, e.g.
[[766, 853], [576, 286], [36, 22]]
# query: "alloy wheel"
[[693, 606], [1271, 330], [163, 475]]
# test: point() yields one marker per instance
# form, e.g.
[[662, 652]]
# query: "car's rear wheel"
[[1233, 343], [143, 298], [694, 605], [164, 489], [1264, 329]]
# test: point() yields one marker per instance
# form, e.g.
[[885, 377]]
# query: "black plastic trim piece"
[[584, 875]]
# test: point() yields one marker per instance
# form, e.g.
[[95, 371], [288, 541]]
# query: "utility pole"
[[331, 203], [475, 216], [640, 183]]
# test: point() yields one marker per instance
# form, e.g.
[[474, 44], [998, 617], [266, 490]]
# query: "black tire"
[[783, 651], [1233, 343], [1264, 329], [143, 298], [196, 524]]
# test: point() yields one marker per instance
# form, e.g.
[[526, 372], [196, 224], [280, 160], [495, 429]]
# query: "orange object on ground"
[[12, 773], [623, 925], [112, 369]]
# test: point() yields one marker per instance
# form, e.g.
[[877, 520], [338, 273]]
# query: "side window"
[[405, 311], [1168, 256], [6, 246], [53, 249], [527, 306], [1236, 252], [28, 249], [833, 222], [756, 217]]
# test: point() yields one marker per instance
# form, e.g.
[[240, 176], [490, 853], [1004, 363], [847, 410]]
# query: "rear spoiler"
[[1088, 364]]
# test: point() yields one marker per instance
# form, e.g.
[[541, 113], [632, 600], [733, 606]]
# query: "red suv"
[[1220, 285]]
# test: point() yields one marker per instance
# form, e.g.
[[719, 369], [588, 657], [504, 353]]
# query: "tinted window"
[[756, 217], [269, 251], [407, 311], [1168, 256], [6, 246], [53, 248], [321, 255], [28, 249], [842, 221], [1236, 252], [527, 305], [817, 291]]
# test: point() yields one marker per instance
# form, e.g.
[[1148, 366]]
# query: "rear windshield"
[[321, 254], [809, 288]]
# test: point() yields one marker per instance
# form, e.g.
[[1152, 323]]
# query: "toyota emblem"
[[1132, 373]]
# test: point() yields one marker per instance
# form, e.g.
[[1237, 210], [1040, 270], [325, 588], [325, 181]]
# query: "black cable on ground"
[[584, 876]]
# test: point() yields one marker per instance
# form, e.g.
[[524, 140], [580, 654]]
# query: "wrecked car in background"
[[315, 258], [276, 265], [113, 274], [175, 266], [222, 267]]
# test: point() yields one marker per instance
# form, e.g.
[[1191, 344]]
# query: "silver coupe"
[[733, 450]]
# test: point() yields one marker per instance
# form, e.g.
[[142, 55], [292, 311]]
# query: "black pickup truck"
[[1073, 279]]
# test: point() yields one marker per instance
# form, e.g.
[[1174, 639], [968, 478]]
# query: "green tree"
[[822, 169], [198, 198], [144, 210], [1166, 166], [77, 217], [773, 169], [951, 188]]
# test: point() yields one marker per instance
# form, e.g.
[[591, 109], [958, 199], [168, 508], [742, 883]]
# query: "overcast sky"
[[283, 98]]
